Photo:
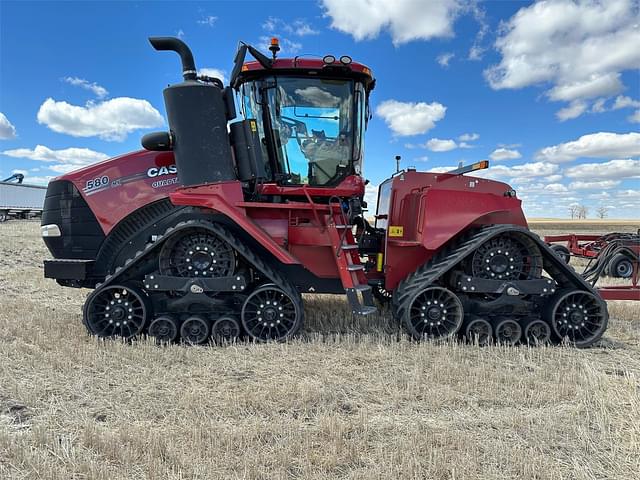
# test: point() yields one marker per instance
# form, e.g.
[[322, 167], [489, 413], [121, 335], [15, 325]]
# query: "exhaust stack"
[[197, 121], [189, 71]]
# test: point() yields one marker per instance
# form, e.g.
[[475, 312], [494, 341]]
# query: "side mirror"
[[158, 141]]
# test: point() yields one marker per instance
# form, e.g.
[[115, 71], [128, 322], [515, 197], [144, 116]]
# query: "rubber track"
[[256, 261], [446, 259]]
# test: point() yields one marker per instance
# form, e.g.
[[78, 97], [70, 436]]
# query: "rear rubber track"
[[445, 260]]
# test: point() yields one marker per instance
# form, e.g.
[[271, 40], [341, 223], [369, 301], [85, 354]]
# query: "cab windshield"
[[314, 126]]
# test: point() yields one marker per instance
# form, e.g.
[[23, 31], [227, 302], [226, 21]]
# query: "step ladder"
[[347, 257]]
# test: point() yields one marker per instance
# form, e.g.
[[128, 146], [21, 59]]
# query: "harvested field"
[[348, 399]]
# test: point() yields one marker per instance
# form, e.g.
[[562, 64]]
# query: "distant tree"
[[583, 211], [602, 212], [573, 211]]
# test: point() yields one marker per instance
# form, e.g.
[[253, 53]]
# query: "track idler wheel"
[[537, 332], [434, 313], [479, 332], [164, 329], [225, 330], [271, 314], [508, 332], [578, 317], [116, 311], [195, 330]]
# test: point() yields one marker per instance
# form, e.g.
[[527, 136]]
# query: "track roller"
[[225, 330], [537, 332], [195, 330], [435, 312], [508, 332], [479, 331], [271, 314], [164, 329], [578, 317], [116, 311]]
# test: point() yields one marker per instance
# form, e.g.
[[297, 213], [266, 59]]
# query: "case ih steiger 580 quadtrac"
[[218, 226]]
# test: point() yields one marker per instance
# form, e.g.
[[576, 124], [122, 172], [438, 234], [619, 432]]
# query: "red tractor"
[[214, 230]]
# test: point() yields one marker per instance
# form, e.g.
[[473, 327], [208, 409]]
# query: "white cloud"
[[613, 169], [525, 171], [406, 20], [410, 118], [112, 119], [299, 27], [371, 197], [7, 130], [598, 106], [625, 102], [500, 154], [594, 86], [423, 158], [573, 110], [66, 159], [476, 52], [634, 117], [595, 145], [553, 178], [469, 137], [579, 185], [578, 47], [438, 145], [208, 20], [213, 72], [444, 59], [98, 91], [556, 188]]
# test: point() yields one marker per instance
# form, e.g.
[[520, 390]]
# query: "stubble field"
[[350, 398]]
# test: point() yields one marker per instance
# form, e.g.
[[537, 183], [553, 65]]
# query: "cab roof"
[[310, 66]]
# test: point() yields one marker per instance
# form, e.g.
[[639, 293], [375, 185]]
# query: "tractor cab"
[[309, 116]]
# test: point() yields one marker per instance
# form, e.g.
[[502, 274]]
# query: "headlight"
[[50, 231]]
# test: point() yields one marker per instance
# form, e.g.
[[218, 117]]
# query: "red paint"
[[433, 209], [115, 203]]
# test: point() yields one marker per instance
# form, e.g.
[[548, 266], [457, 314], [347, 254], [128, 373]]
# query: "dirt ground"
[[350, 398]]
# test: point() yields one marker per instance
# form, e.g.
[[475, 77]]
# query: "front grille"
[[81, 233]]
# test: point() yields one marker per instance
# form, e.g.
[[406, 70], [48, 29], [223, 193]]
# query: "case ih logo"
[[160, 171]]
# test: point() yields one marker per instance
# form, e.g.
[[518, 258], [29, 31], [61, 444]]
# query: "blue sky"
[[549, 92]]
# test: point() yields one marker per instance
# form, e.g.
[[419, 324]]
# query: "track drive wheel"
[[434, 313], [578, 317], [537, 332], [271, 314], [225, 330], [508, 332], [197, 253], [507, 256], [479, 331], [116, 311], [164, 329]]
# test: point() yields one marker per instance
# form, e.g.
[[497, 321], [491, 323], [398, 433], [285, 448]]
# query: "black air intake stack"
[[198, 123]]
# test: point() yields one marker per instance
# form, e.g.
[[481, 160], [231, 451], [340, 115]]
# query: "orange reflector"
[[245, 68], [481, 165]]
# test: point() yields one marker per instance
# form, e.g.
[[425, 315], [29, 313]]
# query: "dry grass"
[[348, 400]]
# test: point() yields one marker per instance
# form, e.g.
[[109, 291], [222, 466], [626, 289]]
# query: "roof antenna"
[[398, 157]]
